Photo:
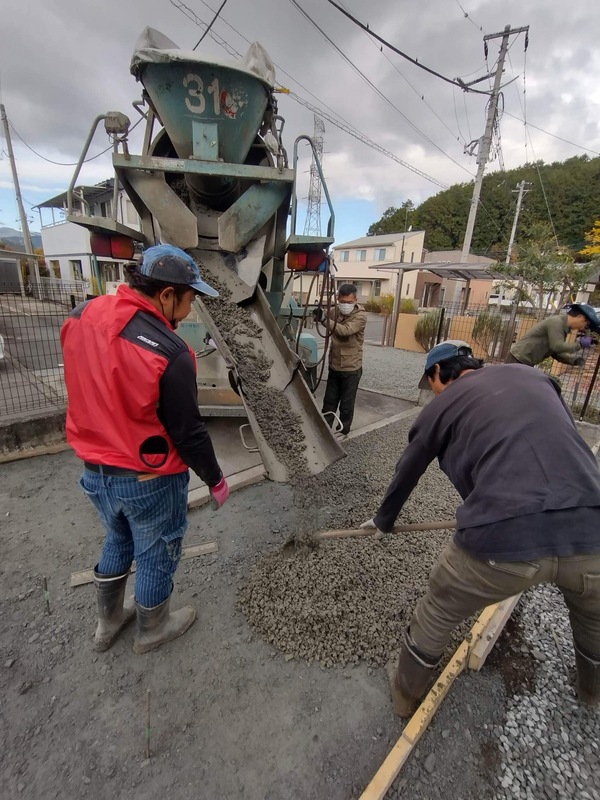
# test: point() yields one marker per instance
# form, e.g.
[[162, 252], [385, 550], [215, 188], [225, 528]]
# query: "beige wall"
[[405, 333], [480, 292], [353, 270]]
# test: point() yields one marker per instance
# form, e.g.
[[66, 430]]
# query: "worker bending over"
[[133, 419], [549, 338], [346, 323], [531, 509]]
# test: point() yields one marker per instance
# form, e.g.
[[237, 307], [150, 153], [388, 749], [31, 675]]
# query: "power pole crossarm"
[[483, 151]]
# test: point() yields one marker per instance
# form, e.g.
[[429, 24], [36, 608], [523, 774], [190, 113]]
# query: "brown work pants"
[[460, 585]]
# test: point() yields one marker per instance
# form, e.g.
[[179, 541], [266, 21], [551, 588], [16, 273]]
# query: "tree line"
[[567, 192]]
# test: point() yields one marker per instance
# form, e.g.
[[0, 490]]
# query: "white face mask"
[[346, 308]]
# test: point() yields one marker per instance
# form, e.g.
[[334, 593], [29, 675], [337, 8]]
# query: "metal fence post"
[[588, 396]]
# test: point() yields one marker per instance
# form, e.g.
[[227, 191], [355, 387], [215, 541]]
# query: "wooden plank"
[[421, 526], [46, 450], [418, 723], [483, 647], [247, 477], [191, 551]]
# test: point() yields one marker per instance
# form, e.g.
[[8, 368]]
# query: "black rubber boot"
[[158, 625], [588, 676], [113, 613], [411, 678]]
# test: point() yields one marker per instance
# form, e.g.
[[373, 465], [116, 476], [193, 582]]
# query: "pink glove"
[[219, 493]]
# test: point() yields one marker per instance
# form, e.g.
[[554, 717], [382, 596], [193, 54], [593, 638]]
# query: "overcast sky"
[[63, 62]]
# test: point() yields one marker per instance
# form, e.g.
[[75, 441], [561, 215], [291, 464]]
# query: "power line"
[[414, 61], [554, 136], [372, 85], [333, 117], [468, 17], [62, 163], [415, 90], [210, 24]]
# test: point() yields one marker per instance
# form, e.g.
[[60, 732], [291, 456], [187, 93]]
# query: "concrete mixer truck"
[[214, 178]]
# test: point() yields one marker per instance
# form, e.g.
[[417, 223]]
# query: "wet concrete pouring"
[[237, 709]]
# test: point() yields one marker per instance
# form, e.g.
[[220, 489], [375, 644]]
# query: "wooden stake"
[[46, 595], [418, 723], [147, 723]]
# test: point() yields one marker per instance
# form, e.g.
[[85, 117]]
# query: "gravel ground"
[[393, 371]]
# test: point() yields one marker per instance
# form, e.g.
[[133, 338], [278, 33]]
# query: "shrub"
[[408, 306], [386, 301], [426, 329], [373, 306], [490, 328]]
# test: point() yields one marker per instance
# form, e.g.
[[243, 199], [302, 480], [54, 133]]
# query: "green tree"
[[543, 268], [394, 220]]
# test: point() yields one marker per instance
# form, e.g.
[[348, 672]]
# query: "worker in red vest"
[[133, 419]]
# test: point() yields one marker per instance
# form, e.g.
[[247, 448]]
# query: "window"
[[407, 288], [361, 255], [55, 267], [376, 288], [344, 255], [412, 257], [76, 270], [380, 254], [105, 209], [358, 285]]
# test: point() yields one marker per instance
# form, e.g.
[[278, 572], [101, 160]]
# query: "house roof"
[[446, 256], [90, 193], [387, 239]]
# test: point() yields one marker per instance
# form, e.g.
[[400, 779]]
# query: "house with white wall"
[[357, 261], [67, 246]]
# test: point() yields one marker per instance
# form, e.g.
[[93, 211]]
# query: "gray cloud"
[[74, 64]]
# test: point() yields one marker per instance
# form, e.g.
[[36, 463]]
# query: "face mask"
[[345, 308]]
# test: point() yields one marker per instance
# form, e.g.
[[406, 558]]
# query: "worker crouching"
[[133, 419], [531, 509]]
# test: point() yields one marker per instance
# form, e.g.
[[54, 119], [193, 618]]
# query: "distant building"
[[354, 261], [430, 290], [67, 247]]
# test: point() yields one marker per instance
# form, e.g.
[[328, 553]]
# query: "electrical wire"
[[468, 17], [335, 119], [415, 90], [210, 24], [370, 83], [414, 61], [61, 163]]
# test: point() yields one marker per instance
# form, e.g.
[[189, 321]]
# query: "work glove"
[[585, 341], [579, 362], [219, 493], [318, 314], [369, 524]]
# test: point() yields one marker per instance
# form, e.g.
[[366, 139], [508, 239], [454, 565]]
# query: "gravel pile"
[[549, 745], [348, 599]]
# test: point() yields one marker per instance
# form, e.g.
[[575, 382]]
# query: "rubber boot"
[[113, 613], [158, 625], [588, 676], [411, 678]]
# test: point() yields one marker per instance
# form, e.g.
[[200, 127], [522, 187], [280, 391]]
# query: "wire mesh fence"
[[31, 371], [491, 331]]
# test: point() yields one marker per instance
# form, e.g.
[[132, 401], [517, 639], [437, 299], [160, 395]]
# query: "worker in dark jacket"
[[346, 323], [549, 338], [531, 509], [133, 420]]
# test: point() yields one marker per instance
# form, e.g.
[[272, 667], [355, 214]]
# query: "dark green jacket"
[[547, 338]]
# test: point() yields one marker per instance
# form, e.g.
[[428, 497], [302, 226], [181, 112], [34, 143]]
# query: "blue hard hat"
[[589, 313], [170, 264]]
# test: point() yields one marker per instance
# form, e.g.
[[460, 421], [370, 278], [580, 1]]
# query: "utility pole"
[[24, 224], [483, 151], [312, 226], [521, 188]]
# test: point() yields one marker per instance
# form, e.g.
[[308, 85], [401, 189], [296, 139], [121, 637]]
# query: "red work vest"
[[116, 349]]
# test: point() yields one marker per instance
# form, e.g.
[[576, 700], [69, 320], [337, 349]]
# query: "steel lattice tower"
[[312, 226]]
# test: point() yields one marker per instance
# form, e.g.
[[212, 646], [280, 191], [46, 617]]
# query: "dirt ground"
[[230, 716]]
